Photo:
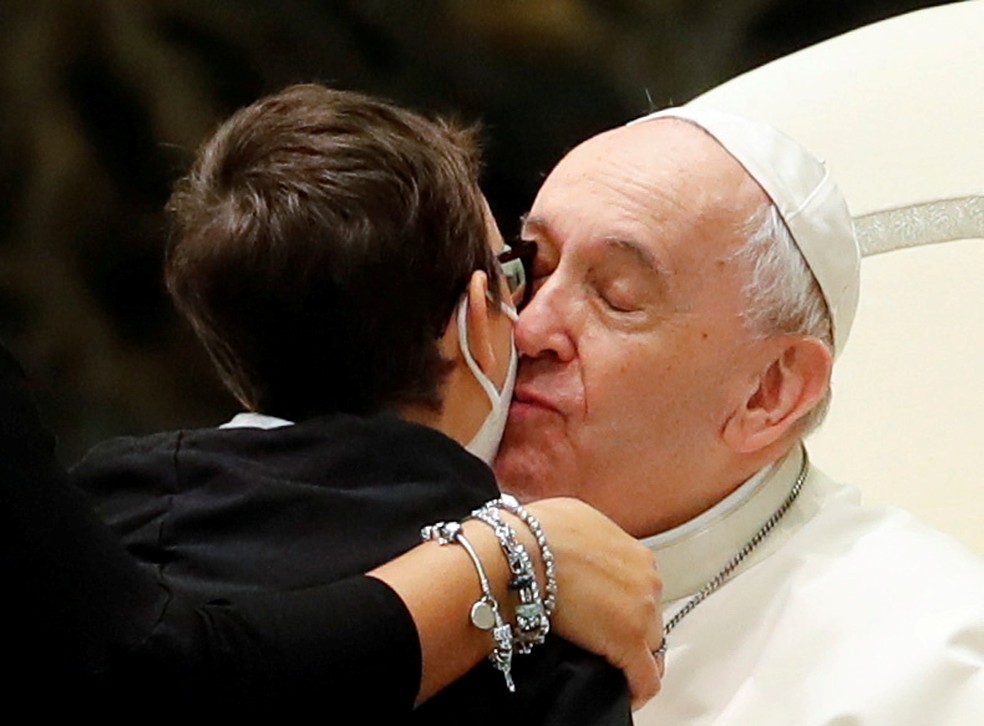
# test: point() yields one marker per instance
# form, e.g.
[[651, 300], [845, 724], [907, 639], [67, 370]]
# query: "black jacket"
[[89, 630], [230, 512]]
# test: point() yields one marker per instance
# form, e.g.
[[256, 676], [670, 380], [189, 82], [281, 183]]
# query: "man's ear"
[[790, 385], [477, 323]]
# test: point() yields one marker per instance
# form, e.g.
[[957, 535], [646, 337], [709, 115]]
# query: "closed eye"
[[619, 300], [617, 307]]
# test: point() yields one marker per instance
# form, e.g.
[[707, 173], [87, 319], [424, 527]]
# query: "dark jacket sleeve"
[[557, 684], [351, 642], [80, 596], [96, 629]]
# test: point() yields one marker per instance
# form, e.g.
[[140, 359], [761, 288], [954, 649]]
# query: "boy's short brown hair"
[[322, 240]]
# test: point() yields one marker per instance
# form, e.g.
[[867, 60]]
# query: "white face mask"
[[485, 443]]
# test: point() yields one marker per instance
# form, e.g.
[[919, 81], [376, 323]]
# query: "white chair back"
[[896, 109]]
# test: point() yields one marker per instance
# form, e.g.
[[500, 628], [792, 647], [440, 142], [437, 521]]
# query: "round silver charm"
[[483, 615]]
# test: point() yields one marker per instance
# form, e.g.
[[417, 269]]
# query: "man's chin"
[[529, 472]]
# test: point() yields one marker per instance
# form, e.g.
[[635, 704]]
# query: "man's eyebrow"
[[533, 223], [643, 256], [536, 225]]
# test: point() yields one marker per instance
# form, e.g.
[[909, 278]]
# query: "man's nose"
[[543, 328]]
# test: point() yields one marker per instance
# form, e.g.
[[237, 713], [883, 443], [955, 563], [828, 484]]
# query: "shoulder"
[[385, 448], [886, 543], [130, 462], [862, 612], [870, 558], [870, 596]]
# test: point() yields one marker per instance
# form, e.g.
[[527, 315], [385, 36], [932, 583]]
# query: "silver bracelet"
[[485, 611], [512, 505], [532, 621]]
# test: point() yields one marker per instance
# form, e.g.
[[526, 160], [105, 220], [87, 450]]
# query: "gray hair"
[[781, 294]]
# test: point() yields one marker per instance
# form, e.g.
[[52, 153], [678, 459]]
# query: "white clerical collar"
[[691, 554], [253, 420]]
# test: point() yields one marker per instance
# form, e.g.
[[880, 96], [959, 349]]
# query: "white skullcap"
[[809, 202], [895, 109]]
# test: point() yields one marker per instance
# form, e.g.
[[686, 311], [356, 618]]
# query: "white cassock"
[[845, 614]]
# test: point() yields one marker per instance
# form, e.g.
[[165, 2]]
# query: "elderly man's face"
[[635, 352]]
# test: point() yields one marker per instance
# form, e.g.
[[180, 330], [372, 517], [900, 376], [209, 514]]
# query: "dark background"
[[104, 102]]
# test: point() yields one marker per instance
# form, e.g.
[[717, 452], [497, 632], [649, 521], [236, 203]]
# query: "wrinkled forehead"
[[666, 169], [665, 191], [660, 143]]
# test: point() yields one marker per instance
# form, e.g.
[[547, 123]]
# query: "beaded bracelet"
[[532, 621], [485, 611], [512, 505]]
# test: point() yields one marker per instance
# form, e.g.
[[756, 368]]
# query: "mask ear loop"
[[508, 310], [483, 380]]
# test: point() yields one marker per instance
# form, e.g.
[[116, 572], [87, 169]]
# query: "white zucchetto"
[[806, 196], [895, 109]]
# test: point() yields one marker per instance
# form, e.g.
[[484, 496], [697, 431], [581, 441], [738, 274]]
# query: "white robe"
[[845, 614]]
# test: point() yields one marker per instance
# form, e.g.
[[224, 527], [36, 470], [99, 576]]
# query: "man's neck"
[[692, 553]]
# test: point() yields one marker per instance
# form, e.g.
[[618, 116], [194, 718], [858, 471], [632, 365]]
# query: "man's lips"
[[527, 398]]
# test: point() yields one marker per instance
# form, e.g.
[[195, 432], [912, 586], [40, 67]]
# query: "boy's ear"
[[477, 323], [789, 387]]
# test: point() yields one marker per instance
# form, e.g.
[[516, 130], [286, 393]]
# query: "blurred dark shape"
[[786, 27], [105, 101]]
